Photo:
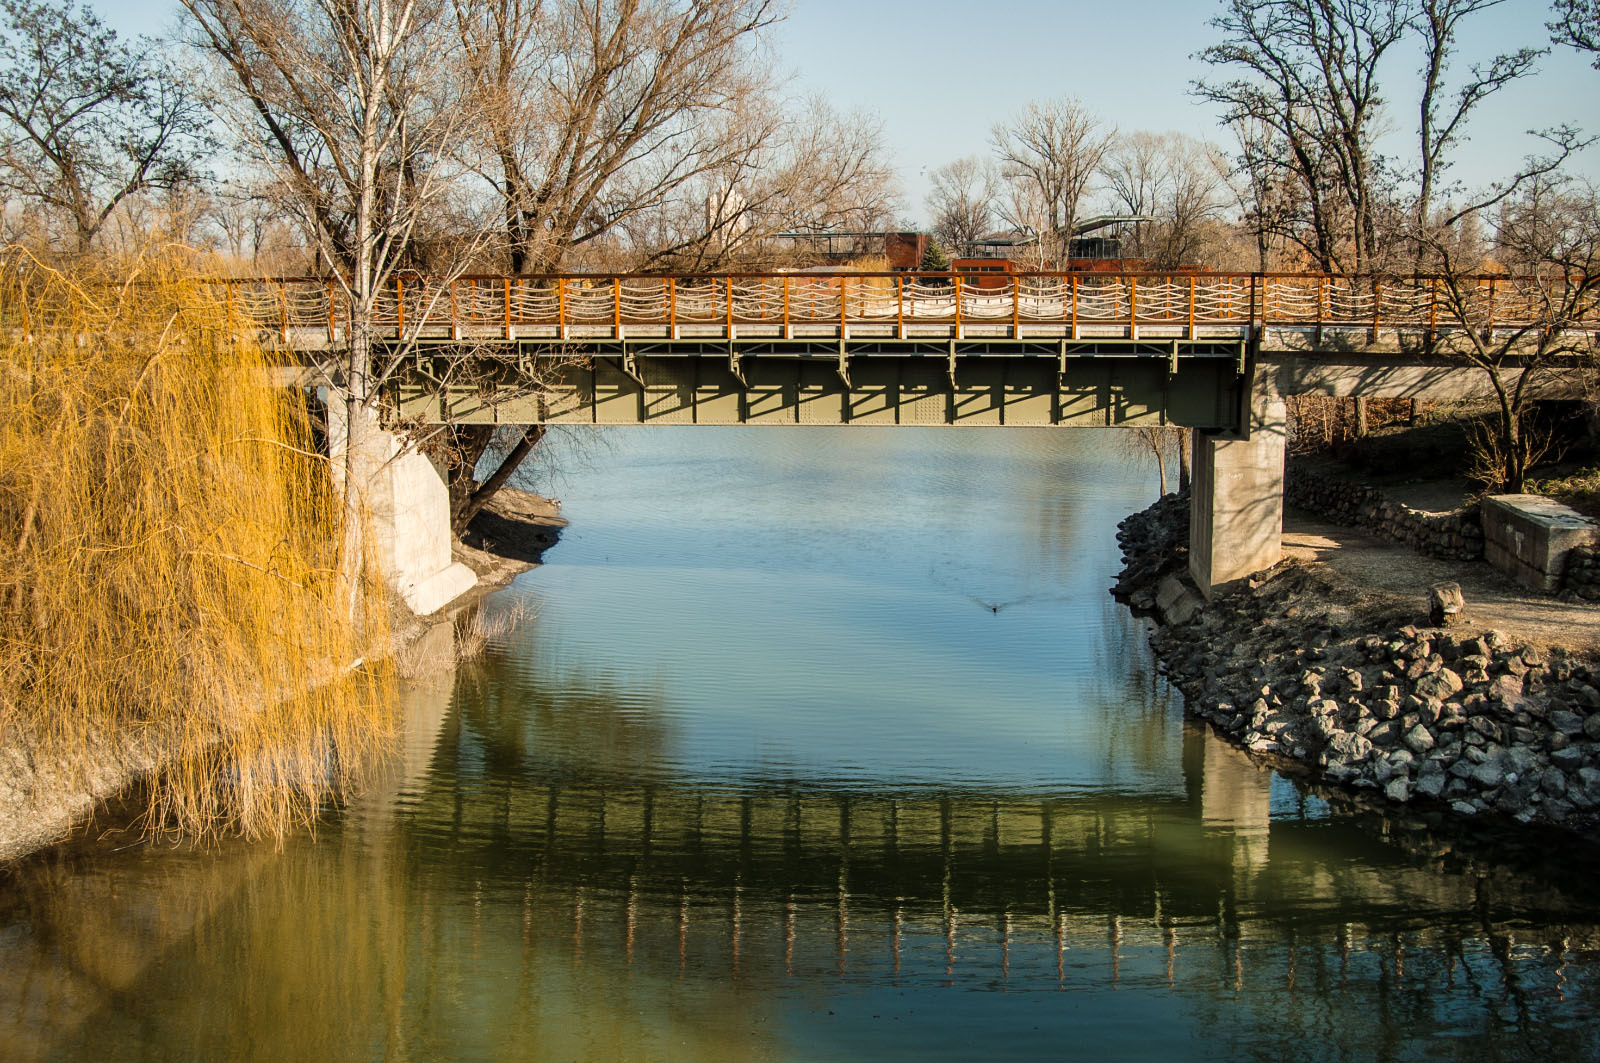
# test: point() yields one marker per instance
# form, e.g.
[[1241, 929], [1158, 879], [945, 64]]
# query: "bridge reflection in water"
[[539, 913], [1227, 882]]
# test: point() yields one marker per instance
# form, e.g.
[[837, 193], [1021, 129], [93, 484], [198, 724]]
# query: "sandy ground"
[[1493, 600]]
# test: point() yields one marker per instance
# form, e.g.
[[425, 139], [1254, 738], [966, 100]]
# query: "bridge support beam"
[[409, 509], [1236, 499]]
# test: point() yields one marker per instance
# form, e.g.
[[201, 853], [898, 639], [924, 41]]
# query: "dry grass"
[[1579, 489], [479, 629], [168, 554]]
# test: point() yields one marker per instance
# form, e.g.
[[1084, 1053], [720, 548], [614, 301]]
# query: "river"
[[815, 744]]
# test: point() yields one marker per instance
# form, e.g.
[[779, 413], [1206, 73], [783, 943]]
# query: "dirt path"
[[1493, 599]]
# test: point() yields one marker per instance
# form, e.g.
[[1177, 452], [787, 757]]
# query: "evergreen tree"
[[934, 259]]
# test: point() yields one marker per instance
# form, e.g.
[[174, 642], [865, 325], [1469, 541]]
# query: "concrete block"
[[1530, 537], [1176, 601], [437, 591]]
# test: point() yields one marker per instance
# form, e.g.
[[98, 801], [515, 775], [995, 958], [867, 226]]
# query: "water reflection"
[[768, 783]]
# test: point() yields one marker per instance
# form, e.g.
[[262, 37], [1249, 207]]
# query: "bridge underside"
[[994, 383]]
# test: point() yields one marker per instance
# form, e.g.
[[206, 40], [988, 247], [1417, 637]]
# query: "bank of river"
[[815, 744], [1303, 663]]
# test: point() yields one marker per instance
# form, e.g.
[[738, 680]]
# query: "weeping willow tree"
[[169, 589]]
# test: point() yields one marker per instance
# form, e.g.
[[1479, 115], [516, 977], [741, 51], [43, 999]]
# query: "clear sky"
[[940, 73]]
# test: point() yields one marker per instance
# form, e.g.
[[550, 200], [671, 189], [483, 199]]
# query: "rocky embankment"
[[1298, 663]]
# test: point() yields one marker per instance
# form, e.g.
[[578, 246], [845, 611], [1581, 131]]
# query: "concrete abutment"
[[408, 508], [1236, 499]]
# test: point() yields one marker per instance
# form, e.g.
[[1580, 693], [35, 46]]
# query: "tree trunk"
[[1185, 449], [473, 503], [1516, 463], [464, 446]]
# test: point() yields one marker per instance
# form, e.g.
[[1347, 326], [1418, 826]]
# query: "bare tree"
[[1050, 153], [594, 111], [350, 105], [1577, 25], [1441, 124], [1162, 444], [1175, 180], [86, 122], [961, 202], [1535, 320], [1310, 75], [816, 170], [1264, 186]]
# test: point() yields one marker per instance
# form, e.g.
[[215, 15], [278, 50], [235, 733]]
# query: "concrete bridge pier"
[[408, 506], [1236, 498]]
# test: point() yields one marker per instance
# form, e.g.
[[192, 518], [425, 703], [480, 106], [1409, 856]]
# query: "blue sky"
[[939, 73]]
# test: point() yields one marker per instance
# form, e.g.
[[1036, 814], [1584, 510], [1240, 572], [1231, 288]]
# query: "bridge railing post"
[[1433, 311], [899, 307], [672, 308], [1490, 337], [1074, 298], [1322, 297], [1133, 307], [1377, 308]]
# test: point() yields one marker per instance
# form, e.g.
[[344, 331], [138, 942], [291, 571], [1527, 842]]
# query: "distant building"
[[904, 250], [1082, 249]]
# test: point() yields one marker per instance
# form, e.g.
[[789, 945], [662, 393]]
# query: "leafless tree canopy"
[[85, 121], [1300, 82], [350, 105], [814, 169], [1444, 113], [1307, 70], [1049, 154], [1577, 25], [962, 201], [1547, 237], [594, 111], [1174, 179]]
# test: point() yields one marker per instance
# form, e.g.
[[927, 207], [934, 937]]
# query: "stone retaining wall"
[[1452, 536], [1583, 574]]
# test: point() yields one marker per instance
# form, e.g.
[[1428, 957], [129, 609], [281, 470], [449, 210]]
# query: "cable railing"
[[908, 306]]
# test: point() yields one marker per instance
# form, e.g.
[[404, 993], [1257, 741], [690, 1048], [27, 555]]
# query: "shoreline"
[[1300, 665], [41, 808]]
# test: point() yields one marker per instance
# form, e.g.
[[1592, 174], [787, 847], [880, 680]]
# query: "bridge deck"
[[837, 348]]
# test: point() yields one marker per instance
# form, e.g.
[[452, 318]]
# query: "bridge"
[[836, 348], [1213, 352]]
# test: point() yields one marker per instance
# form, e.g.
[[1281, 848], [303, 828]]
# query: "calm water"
[[815, 744]]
